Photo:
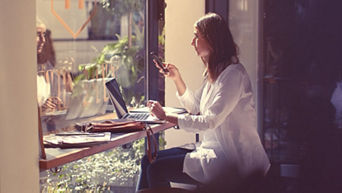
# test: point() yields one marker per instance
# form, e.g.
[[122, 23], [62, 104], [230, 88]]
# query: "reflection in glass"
[[71, 74], [72, 71]]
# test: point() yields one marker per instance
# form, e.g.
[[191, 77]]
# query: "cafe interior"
[[290, 49]]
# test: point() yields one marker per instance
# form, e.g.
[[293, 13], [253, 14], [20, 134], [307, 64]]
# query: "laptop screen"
[[116, 98]]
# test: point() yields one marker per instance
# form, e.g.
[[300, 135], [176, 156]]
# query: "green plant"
[[98, 173], [126, 63], [124, 58], [129, 67]]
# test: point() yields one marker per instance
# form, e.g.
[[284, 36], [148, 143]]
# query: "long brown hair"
[[48, 52], [224, 50]]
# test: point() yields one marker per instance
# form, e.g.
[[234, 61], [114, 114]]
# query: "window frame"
[[151, 43]]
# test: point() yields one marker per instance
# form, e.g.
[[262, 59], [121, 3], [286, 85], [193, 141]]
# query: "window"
[[82, 44]]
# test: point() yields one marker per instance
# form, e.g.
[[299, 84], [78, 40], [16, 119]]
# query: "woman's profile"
[[49, 81], [222, 109]]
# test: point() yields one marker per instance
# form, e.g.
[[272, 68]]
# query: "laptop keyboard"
[[138, 116]]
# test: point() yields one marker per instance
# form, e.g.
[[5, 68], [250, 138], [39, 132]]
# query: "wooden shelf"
[[56, 157]]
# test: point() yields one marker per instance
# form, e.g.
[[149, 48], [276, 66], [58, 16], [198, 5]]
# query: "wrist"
[[164, 117], [172, 119], [177, 78], [167, 118]]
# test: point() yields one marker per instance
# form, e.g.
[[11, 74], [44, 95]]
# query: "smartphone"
[[159, 62]]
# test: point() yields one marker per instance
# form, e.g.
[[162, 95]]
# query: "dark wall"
[[302, 49]]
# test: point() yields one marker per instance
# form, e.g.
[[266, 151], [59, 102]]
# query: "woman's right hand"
[[173, 71], [175, 75], [156, 109]]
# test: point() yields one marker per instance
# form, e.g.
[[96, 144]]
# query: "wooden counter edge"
[[45, 164]]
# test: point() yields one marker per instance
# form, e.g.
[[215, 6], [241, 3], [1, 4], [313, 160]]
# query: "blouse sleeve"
[[227, 96], [191, 100]]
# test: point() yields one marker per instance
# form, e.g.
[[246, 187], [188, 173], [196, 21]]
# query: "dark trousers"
[[168, 167]]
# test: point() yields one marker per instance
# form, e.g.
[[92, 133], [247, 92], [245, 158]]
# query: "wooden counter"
[[57, 156]]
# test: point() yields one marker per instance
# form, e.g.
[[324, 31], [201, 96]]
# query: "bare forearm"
[[172, 119], [180, 85]]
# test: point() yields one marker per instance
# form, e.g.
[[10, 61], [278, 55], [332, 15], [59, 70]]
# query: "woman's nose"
[[42, 38], [193, 42]]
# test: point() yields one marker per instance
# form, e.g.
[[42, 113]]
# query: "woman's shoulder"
[[235, 69]]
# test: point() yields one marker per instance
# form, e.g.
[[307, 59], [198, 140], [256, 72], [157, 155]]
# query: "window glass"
[[81, 44]]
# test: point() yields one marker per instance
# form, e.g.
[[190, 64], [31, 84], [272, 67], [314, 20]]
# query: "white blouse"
[[224, 113], [43, 90]]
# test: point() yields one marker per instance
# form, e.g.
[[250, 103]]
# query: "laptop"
[[120, 107]]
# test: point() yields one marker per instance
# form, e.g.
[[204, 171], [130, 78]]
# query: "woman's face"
[[200, 44], [41, 32]]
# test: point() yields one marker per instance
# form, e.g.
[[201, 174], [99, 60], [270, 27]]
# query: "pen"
[[80, 133]]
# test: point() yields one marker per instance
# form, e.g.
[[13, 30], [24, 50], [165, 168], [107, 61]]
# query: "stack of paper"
[[75, 139]]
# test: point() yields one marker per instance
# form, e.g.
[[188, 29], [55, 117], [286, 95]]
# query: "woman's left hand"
[[156, 109], [52, 104]]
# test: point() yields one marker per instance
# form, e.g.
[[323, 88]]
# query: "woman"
[[47, 78], [222, 109]]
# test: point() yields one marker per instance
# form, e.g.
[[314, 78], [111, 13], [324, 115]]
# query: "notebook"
[[120, 106]]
